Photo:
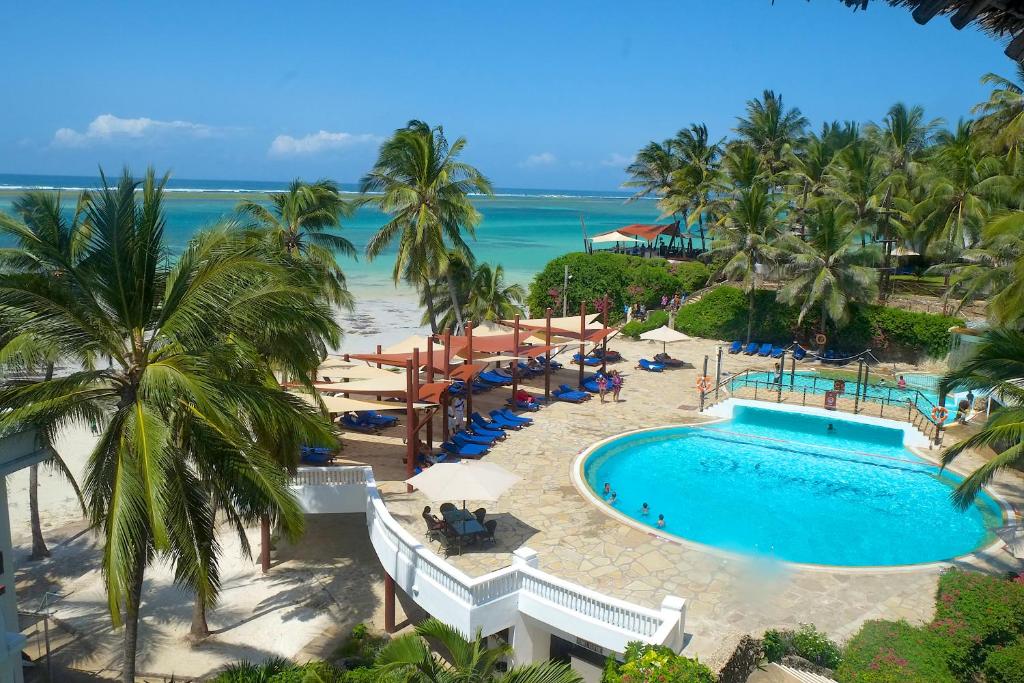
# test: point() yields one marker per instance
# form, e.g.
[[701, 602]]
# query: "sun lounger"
[[799, 353], [736, 347], [492, 425], [484, 427], [512, 420], [523, 405], [649, 366], [463, 438], [555, 365], [316, 455], [611, 356], [348, 421], [479, 386], [526, 371], [777, 351], [468, 451], [512, 416], [586, 360], [669, 361], [751, 349], [494, 378], [570, 395], [766, 350], [375, 418]]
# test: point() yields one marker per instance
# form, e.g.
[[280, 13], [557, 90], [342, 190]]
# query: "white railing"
[[492, 602]]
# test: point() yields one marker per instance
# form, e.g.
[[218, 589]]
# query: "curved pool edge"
[[579, 481]]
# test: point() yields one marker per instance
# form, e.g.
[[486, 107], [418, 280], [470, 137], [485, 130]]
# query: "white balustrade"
[[491, 602]]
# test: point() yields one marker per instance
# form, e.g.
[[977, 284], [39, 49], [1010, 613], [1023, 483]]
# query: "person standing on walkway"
[[602, 386], [616, 385]]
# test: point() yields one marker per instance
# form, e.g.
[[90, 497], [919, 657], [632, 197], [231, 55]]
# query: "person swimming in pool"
[[612, 499], [645, 510], [661, 521], [607, 488], [831, 428]]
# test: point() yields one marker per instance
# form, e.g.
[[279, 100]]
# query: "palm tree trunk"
[[453, 293], [428, 297], [750, 313], [199, 628], [133, 602], [39, 549]]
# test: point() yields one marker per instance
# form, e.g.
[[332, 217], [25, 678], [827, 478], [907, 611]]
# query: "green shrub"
[[925, 332], [692, 275], [1006, 665], [655, 319], [643, 663], [361, 647], [893, 652], [313, 672], [360, 675], [722, 314], [654, 281], [808, 642], [975, 614], [593, 276]]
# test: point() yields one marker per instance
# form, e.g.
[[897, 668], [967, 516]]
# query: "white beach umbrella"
[[612, 236], [665, 335], [464, 480]]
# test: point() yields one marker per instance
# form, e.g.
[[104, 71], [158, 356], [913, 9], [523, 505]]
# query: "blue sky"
[[550, 94]]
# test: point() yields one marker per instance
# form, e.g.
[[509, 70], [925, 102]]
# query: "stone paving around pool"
[[727, 596]]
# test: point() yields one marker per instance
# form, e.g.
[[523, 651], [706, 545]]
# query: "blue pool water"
[[921, 388], [780, 485]]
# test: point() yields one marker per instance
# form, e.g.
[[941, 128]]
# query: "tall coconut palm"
[[827, 270], [173, 426], [301, 222], [425, 190], [770, 128], [46, 238], [858, 178], [1002, 114], [696, 177], [412, 658], [483, 290], [651, 171], [745, 239], [998, 365], [904, 134]]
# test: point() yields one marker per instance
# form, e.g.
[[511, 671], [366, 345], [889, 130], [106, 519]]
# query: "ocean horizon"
[[521, 229]]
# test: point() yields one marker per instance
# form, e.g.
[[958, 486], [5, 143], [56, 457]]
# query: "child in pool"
[[607, 488], [645, 510], [661, 521], [612, 498]]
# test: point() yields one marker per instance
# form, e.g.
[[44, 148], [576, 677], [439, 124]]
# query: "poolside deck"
[[728, 596]]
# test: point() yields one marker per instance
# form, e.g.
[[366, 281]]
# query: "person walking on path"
[[616, 385]]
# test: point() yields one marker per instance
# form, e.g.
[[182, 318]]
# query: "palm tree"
[[858, 178], [696, 177], [301, 222], [425, 190], [174, 425], [482, 289], [745, 238], [1002, 114], [809, 164], [770, 128], [652, 169], [998, 365], [411, 658], [904, 134], [45, 239], [828, 270]]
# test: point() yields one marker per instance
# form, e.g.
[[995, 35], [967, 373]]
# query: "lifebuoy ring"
[[820, 339], [939, 413], [703, 384]]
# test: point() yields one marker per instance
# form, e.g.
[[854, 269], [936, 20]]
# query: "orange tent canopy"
[[651, 231], [400, 359]]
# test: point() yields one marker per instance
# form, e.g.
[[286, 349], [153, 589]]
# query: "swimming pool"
[[782, 485], [921, 388]]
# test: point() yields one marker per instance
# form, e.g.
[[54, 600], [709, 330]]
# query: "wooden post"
[[583, 334], [703, 375], [430, 378], [469, 382], [547, 366], [792, 370], [447, 377], [378, 364], [856, 396], [265, 543], [389, 603], [411, 367], [604, 342], [718, 372], [782, 372], [515, 363]]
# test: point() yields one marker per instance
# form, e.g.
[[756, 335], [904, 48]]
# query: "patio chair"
[[435, 526], [489, 527], [512, 416], [481, 425], [766, 350], [351, 423], [480, 513], [447, 507], [751, 349], [649, 366], [736, 347]]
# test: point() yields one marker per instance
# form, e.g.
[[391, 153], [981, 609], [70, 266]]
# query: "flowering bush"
[[655, 664]]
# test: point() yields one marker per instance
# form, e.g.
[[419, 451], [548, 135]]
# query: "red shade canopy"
[[651, 231]]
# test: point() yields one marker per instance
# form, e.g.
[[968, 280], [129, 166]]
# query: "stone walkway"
[[727, 596]]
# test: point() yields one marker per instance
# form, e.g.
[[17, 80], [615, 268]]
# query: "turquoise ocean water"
[[521, 229]]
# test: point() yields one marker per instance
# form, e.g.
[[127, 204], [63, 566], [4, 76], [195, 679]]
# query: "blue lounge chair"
[[348, 421], [315, 457], [494, 378], [736, 347], [484, 427], [526, 371], [799, 353], [512, 420], [829, 356], [766, 350], [373, 417], [479, 386], [777, 351], [555, 365], [586, 360], [570, 396], [457, 389], [649, 366], [751, 349], [512, 416], [463, 438], [523, 405], [471, 450]]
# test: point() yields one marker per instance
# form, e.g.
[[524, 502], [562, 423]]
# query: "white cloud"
[[616, 159], [542, 159], [107, 127], [322, 141]]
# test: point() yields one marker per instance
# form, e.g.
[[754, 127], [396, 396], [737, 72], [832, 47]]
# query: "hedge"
[[1005, 665], [643, 663], [635, 328], [808, 642], [625, 279], [894, 652], [722, 314]]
